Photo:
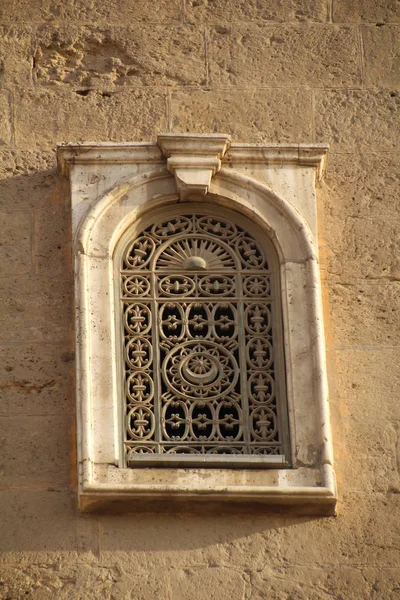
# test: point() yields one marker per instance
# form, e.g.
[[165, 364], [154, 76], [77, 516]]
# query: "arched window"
[[203, 365], [199, 325]]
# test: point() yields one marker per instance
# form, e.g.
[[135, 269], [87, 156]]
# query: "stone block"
[[15, 243], [365, 532], [309, 583], [358, 119], [368, 474], [35, 450], [52, 241], [217, 11], [206, 539], [259, 544], [366, 421], [369, 529], [36, 380], [302, 541], [359, 381], [249, 55], [16, 57], [98, 11], [143, 535], [270, 116], [28, 178], [365, 312], [47, 116], [93, 57], [94, 581], [383, 582], [6, 117], [36, 309], [361, 185], [369, 434], [211, 583], [382, 55], [378, 11], [41, 526], [363, 248]]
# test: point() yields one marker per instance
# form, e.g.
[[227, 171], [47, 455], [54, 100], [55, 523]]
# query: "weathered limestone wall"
[[288, 71]]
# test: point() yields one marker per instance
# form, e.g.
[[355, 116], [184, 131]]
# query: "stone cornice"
[[112, 153]]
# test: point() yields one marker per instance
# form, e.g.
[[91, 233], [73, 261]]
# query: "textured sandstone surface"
[[91, 56], [273, 72], [216, 11], [87, 115], [16, 55], [278, 114], [357, 118], [380, 11], [98, 11], [6, 120], [382, 52], [280, 55]]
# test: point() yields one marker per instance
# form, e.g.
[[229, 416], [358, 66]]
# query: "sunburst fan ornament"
[[195, 253]]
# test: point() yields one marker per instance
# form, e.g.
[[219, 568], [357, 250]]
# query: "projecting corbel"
[[193, 159]]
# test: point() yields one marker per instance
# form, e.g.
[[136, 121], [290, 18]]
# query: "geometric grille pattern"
[[199, 319]]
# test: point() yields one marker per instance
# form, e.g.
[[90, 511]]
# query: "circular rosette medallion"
[[203, 369]]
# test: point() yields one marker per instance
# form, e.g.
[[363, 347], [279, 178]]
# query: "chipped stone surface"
[[16, 163], [279, 56], [281, 115], [87, 57], [211, 11]]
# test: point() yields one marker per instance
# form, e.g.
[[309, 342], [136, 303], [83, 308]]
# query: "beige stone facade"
[[266, 72]]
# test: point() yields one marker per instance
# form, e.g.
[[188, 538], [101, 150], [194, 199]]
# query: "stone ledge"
[[111, 153]]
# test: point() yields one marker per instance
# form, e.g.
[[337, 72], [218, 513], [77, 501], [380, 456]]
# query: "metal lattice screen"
[[202, 337]]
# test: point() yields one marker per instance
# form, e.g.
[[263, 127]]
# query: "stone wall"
[[263, 71]]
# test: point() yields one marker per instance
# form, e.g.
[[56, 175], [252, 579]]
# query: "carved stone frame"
[[112, 185]]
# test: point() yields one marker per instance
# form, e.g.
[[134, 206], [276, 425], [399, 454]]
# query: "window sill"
[[295, 491]]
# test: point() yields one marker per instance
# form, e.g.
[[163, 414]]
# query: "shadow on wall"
[[43, 520]]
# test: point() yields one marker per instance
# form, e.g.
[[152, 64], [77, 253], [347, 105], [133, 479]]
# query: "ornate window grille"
[[203, 368]]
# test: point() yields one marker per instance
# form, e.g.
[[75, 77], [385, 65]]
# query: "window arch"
[[134, 182], [203, 378]]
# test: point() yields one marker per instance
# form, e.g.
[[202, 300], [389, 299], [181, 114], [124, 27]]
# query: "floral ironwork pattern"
[[200, 362]]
